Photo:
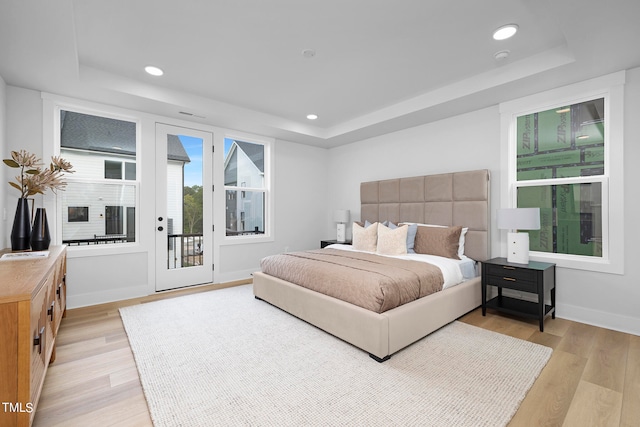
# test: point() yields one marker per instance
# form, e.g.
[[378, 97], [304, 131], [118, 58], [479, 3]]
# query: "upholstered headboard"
[[459, 198]]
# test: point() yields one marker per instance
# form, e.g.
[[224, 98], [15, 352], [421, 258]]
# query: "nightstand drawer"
[[511, 283], [511, 272]]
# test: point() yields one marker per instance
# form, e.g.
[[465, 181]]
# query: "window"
[[100, 201], [565, 158], [246, 181], [114, 170], [114, 220], [556, 146], [78, 213]]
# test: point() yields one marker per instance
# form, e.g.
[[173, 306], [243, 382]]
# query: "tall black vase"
[[21, 231], [40, 237]]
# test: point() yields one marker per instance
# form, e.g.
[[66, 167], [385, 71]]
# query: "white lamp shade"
[[341, 216], [519, 219]]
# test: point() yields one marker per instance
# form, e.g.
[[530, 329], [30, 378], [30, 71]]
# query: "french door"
[[184, 229]]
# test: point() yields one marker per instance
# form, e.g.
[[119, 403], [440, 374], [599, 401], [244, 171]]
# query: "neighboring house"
[[101, 202], [244, 167]]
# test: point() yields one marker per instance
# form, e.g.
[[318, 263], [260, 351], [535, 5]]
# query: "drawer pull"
[[37, 341], [508, 268], [51, 310], [511, 279], [58, 290]]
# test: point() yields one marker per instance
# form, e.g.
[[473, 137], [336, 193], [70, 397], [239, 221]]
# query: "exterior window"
[[130, 171], [247, 187], [100, 201], [564, 154], [114, 221], [112, 170], [78, 214], [554, 146]]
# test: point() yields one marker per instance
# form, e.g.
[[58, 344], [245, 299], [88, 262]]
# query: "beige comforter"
[[374, 282]]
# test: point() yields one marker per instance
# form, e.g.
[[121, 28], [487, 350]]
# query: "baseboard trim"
[[603, 319]]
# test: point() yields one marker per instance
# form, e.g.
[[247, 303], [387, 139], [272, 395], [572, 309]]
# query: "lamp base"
[[341, 235], [518, 248]]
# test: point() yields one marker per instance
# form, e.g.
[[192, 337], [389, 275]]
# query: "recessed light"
[[563, 110], [154, 71], [505, 32], [312, 116]]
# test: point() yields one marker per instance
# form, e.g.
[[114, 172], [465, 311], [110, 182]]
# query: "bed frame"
[[460, 198]]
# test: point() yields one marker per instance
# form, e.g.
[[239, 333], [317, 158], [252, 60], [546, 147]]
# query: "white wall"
[[23, 131], [472, 141], [6, 212]]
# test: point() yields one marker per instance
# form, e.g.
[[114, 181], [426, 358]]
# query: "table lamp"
[[518, 219], [341, 217]]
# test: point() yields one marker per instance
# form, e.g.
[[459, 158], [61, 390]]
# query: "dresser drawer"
[[511, 283], [510, 272], [38, 342]]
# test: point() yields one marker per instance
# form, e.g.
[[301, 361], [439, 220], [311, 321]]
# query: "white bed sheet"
[[454, 271]]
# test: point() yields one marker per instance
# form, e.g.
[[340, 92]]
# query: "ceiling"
[[379, 66]]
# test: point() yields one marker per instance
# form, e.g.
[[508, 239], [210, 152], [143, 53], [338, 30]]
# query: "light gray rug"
[[223, 358]]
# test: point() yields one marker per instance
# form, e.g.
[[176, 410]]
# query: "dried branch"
[[33, 178]]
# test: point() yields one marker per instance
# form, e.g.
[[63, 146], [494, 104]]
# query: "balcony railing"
[[184, 250], [100, 240]]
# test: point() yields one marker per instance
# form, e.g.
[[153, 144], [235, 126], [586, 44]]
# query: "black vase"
[[40, 237], [21, 231]]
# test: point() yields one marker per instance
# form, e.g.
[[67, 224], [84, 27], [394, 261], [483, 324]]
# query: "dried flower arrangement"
[[33, 178]]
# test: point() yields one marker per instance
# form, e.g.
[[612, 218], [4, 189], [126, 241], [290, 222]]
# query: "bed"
[[459, 198]]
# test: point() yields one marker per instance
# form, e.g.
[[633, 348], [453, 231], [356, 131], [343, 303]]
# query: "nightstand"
[[324, 243], [535, 278]]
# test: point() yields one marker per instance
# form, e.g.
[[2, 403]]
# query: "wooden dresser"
[[32, 304]]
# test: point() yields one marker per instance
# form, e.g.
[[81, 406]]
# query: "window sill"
[[576, 262], [104, 250]]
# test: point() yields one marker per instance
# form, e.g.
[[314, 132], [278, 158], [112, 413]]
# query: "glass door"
[[184, 228]]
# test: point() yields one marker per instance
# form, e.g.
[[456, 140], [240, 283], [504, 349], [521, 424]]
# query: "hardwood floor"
[[592, 378]]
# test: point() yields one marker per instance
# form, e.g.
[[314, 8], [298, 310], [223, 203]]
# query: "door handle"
[[160, 228]]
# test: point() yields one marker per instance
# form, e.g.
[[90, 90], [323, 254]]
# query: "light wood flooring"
[[592, 378]]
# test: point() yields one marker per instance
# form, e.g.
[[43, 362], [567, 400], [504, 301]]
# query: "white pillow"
[[392, 241], [364, 238]]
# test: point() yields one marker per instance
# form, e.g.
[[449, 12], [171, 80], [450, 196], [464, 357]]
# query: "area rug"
[[223, 358]]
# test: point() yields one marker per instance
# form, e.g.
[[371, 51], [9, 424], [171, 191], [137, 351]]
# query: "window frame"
[[268, 235], [611, 88], [52, 106]]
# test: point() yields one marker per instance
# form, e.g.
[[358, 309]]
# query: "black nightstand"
[[535, 278], [324, 243]]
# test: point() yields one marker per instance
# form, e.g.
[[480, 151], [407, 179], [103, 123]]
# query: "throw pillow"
[[365, 238]]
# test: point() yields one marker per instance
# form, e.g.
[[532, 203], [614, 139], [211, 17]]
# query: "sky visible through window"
[[192, 170], [193, 147]]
